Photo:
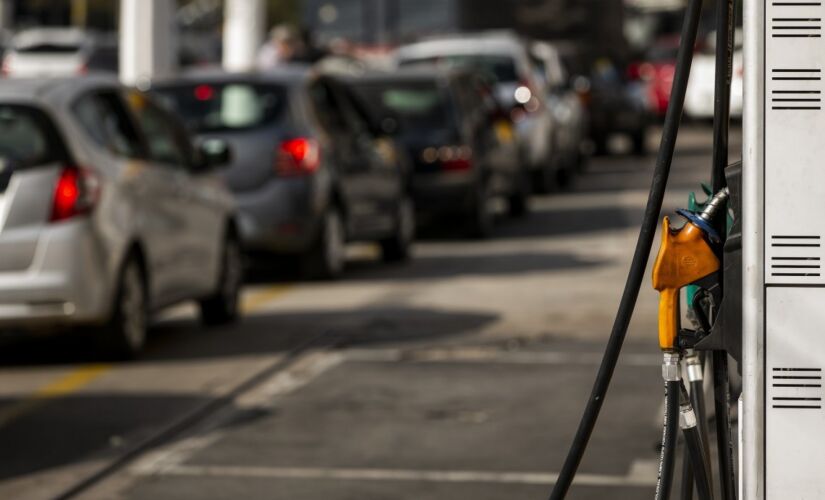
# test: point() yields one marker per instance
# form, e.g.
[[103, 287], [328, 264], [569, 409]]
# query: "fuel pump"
[[728, 297]]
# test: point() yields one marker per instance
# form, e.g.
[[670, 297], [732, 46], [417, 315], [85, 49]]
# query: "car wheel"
[[480, 223], [518, 202], [640, 142], [223, 307], [125, 335], [327, 257], [398, 248]]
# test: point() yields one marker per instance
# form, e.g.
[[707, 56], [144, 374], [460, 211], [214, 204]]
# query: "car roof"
[[51, 90], [287, 75], [481, 43], [60, 35], [412, 74]]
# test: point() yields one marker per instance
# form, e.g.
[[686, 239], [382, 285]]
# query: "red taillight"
[[204, 92], [457, 165], [299, 156], [449, 158], [75, 193]]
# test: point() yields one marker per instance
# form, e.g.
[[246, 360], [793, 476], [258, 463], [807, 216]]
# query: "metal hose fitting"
[[671, 367], [694, 368], [715, 205]]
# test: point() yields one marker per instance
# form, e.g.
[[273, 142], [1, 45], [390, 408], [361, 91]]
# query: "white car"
[[55, 52], [506, 60], [108, 212], [699, 100]]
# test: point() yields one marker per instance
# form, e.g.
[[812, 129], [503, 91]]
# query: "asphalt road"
[[458, 375]]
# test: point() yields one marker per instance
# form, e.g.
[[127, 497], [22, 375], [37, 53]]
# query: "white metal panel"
[[784, 287], [794, 419]]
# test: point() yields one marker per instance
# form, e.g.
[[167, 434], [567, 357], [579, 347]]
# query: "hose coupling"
[[715, 205], [687, 417], [671, 367], [694, 368]]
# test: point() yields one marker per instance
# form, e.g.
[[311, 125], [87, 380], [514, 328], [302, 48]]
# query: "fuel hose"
[[670, 430], [641, 253], [694, 445]]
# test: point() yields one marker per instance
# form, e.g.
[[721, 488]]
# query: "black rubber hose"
[[687, 477], [696, 452], [724, 445], [697, 400], [641, 254], [670, 430]]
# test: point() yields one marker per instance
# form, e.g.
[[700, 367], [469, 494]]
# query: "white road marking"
[[496, 355], [301, 372], [639, 476]]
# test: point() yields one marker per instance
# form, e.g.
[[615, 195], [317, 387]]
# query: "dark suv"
[[462, 144]]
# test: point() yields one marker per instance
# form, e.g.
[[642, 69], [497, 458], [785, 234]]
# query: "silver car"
[[108, 212]]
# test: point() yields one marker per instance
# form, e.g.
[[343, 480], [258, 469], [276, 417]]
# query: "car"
[[572, 128], [699, 99], [616, 105], [505, 59], [657, 69], [461, 141], [310, 173], [108, 213], [53, 52]]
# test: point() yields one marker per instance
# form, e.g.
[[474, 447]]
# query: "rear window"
[[27, 137], [415, 105], [211, 107], [49, 48], [499, 68]]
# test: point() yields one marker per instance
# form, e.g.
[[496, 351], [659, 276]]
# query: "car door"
[[195, 214], [350, 167], [147, 191], [380, 175]]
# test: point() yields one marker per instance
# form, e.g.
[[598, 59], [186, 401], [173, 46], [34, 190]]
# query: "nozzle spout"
[[715, 205]]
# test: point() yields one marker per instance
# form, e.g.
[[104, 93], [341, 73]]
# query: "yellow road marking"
[[65, 385], [255, 300], [84, 375]]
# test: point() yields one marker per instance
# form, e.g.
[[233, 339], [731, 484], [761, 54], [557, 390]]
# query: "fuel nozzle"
[[685, 257]]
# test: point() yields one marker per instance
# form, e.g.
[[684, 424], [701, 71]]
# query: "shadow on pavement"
[[185, 339]]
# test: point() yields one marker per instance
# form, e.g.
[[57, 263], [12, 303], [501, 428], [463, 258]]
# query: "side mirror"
[[214, 153]]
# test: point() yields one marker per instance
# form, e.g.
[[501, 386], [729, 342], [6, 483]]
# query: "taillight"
[[298, 156], [449, 158], [5, 69], [76, 193]]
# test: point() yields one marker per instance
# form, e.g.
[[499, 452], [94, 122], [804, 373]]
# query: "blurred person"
[[285, 45]]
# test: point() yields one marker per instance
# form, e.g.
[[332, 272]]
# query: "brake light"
[[76, 193], [298, 156], [204, 92], [449, 158]]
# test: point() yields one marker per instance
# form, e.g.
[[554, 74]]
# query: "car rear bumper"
[[283, 216], [454, 192], [66, 283]]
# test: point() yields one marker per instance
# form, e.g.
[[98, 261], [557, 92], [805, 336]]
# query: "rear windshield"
[[27, 137], [500, 68], [211, 107], [49, 48], [416, 105]]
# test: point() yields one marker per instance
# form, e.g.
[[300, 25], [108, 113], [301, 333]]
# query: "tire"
[[518, 203], [639, 139], [326, 258], [223, 306], [124, 337], [480, 219], [398, 248]]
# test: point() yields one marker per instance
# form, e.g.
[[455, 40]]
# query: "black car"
[[309, 172], [462, 144]]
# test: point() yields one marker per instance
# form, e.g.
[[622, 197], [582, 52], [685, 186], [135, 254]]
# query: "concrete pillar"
[[148, 39], [243, 33], [6, 14]]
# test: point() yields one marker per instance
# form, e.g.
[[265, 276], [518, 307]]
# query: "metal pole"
[[148, 45], [243, 33]]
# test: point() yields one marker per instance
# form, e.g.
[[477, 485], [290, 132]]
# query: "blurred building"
[[593, 26]]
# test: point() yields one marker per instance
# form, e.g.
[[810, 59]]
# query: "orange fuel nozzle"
[[684, 258]]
